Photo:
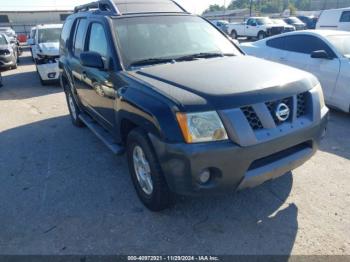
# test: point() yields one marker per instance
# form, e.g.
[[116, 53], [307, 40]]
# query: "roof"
[[49, 26], [121, 7], [225, 12], [326, 32]]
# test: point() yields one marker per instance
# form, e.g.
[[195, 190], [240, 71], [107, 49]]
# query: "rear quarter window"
[[66, 32]]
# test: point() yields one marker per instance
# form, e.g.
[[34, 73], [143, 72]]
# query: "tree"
[[213, 8]]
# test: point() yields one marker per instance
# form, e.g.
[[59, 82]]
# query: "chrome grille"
[[301, 110], [272, 106], [4, 52]]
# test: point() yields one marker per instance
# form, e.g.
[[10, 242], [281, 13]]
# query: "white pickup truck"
[[259, 27]]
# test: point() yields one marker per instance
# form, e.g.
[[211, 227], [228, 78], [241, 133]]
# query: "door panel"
[[341, 95], [97, 83], [77, 49]]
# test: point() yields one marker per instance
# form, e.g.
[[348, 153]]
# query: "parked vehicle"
[[221, 24], [335, 19], [259, 27], [31, 40], [8, 53], [326, 54], [309, 21], [45, 51], [286, 27], [11, 35], [294, 21], [194, 114]]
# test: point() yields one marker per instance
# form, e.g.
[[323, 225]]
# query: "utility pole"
[[250, 8]]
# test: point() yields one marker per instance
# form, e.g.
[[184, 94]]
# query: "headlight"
[[320, 95], [201, 127]]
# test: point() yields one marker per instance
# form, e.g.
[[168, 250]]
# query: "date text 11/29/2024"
[[173, 258]]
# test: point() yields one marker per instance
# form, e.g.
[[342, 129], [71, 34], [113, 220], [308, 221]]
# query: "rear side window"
[[66, 31], [79, 39], [276, 43], [345, 17], [98, 40]]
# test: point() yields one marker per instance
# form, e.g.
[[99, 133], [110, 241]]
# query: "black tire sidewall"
[[233, 34], [261, 34], [161, 197]]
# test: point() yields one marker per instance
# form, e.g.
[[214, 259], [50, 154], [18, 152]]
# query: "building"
[[23, 21], [237, 15], [328, 4]]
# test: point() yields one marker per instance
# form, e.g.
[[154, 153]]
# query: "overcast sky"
[[194, 6]]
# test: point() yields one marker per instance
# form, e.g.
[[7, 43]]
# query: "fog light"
[[51, 75], [204, 176]]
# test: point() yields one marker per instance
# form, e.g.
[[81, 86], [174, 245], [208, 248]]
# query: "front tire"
[[146, 173], [233, 34], [261, 35]]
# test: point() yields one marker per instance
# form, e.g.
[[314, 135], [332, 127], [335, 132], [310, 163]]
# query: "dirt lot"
[[63, 192]]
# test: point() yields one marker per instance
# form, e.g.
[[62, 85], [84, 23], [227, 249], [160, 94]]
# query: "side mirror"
[[30, 41], [253, 24], [92, 59], [320, 54]]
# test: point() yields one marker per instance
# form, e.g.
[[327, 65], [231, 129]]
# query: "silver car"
[[8, 53]]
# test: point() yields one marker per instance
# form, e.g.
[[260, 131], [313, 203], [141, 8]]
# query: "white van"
[[45, 51], [335, 19]]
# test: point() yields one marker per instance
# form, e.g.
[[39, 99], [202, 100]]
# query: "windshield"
[[3, 40], [264, 21], [49, 35], [279, 22], [341, 43], [294, 20], [161, 37]]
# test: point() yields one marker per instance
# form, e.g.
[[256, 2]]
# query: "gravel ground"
[[63, 192]]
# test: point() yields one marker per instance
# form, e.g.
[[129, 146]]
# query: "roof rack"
[[120, 7], [102, 5]]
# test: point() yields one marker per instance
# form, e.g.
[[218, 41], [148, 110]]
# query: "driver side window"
[[251, 22], [98, 40]]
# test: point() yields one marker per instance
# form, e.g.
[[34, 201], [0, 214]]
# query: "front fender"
[[149, 111]]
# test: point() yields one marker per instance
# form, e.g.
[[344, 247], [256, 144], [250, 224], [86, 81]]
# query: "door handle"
[[283, 59]]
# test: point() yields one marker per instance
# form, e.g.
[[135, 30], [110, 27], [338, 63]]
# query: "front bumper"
[[48, 72], [7, 61], [235, 167]]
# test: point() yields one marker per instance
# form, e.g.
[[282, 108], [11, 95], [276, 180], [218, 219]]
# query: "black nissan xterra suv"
[[193, 113]]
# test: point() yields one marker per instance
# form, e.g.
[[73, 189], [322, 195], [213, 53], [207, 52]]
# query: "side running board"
[[102, 134]]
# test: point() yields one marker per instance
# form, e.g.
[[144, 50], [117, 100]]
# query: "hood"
[[3, 47], [221, 83], [50, 49], [273, 25]]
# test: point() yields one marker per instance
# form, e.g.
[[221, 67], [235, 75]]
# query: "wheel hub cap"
[[142, 170]]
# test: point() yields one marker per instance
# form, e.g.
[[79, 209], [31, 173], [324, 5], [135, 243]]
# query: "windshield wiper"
[[151, 61], [201, 55]]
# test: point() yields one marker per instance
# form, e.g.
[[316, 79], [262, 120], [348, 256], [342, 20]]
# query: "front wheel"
[[234, 34], [146, 173], [261, 35]]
